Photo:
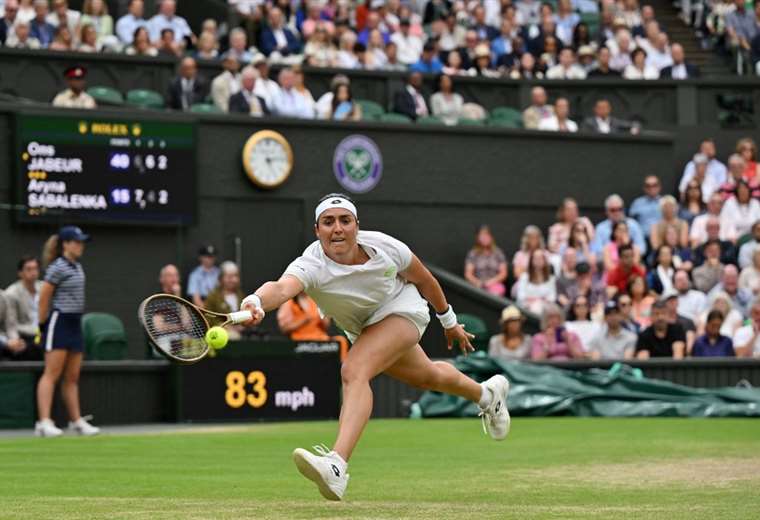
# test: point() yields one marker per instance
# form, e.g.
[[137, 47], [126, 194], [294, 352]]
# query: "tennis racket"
[[177, 328]]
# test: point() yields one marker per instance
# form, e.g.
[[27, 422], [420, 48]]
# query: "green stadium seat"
[[370, 109], [743, 240], [505, 123], [106, 96], [592, 21], [144, 98], [508, 113], [477, 326], [393, 117], [429, 120], [470, 122], [104, 336], [205, 108]]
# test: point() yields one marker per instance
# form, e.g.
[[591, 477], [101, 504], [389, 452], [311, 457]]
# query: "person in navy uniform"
[[61, 304]]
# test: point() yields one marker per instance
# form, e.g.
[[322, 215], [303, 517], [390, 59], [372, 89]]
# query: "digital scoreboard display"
[[256, 380], [103, 169]]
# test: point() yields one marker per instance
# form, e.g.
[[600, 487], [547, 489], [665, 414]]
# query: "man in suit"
[[467, 51], [277, 37], [409, 100], [603, 123], [485, 31], [536, 41], [681, 69], [38, 27], [226, 83], [246, 101], [8, 20], [187, 88]]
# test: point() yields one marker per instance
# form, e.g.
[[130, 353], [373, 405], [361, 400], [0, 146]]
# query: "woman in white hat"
[[512, 344], [377, 291]]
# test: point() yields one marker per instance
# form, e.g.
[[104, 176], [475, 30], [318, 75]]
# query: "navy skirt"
[[63, 330]]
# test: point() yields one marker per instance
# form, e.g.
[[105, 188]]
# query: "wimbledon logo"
[[357, 164]]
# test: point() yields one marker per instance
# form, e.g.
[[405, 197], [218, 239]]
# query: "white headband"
[[335, 202]]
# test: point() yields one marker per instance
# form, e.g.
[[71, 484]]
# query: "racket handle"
[[240, 316]]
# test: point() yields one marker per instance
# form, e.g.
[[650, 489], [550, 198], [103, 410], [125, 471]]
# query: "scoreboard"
[[102, 169]]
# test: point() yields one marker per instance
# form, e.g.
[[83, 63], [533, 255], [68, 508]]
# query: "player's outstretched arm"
[[431, 290], [270, 296]]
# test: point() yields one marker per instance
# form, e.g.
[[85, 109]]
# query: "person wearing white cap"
[[377, 291]]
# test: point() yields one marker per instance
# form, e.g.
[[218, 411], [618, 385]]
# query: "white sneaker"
[[496, 415], [327, 470], [82, 427], [46, 428]]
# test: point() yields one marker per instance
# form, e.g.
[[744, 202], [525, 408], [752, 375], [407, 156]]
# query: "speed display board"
[[279, 381], [106, 170]]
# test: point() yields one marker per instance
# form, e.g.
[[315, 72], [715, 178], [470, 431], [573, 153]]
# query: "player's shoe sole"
[[306, 466]]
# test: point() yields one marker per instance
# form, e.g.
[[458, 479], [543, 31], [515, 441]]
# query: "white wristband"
[[251, 298], [448, 319]]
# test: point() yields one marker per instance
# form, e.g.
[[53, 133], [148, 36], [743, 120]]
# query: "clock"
[[267, 159]]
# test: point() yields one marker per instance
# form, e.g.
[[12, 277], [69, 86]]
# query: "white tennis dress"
[[356, 296]]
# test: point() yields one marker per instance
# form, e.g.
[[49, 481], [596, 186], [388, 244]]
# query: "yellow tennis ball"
[[217, 337]]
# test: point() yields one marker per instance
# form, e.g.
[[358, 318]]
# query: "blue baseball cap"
[[72, 233]]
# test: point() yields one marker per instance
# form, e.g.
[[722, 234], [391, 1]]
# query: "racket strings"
[[175, 327]]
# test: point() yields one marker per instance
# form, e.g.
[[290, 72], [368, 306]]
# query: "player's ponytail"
[[52, 249]]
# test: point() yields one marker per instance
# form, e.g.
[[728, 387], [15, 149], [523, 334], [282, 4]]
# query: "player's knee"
[[52, 376], [351, 372]]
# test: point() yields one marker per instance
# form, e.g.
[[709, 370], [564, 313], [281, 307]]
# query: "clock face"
[[267, 159]]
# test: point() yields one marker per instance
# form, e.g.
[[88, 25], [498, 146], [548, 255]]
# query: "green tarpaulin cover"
[[621, 392]]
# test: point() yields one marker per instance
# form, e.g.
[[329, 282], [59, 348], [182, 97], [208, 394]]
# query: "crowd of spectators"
[[672, 276], [251, 91], [569, 39], [730, 27], [492, 38]]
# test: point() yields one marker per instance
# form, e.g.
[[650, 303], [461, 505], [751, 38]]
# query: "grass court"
[[547, 468]]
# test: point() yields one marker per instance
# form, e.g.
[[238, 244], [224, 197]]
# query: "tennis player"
[[373, 286], [61, 304]]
